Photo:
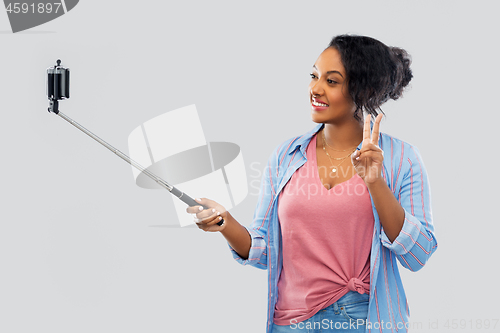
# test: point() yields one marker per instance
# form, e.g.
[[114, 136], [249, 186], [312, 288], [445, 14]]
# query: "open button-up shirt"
[[405, 174]]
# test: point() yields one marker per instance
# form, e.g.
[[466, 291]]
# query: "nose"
[[316, 89]]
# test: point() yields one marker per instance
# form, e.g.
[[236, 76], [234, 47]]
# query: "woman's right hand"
[[207, 219]]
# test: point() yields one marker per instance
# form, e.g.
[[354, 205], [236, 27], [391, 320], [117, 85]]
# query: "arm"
[[368, 163], [416, 241], [390, 212], [237, 236], [407, 228], [257, 253], [247, 244]]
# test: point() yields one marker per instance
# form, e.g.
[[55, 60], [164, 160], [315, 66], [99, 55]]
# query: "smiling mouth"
[[318, 104]]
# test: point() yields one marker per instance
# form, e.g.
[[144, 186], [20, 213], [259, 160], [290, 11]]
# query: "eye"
[[313, 76], [331, 81]]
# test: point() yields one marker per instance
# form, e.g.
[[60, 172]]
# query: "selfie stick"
[[58, 89]]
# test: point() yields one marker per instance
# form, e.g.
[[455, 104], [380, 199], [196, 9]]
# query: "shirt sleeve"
[[416, 241], [258, 228]]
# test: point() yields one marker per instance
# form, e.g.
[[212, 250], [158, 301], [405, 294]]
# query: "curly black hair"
[[375, 72]]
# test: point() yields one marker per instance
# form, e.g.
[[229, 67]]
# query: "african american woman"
[[339, 206]]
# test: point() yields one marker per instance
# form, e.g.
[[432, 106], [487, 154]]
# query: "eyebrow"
[[329, 72]]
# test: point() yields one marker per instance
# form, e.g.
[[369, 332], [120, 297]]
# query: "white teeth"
[[318, 104]]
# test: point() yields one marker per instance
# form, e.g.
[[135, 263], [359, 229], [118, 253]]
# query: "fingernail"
[[201, 208], [197, 199], [213, 210], [218, 213]]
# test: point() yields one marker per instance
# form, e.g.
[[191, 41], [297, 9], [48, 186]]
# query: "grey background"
[[83, 249]]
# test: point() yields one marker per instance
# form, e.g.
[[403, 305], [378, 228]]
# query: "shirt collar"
[[304, 140]]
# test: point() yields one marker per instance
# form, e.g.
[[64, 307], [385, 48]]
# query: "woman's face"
[[330, 100]]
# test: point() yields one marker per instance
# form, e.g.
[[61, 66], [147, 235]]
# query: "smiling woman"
[[332, 251], [328, 89]]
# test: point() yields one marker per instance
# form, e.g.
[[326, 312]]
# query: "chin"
[[318, 118]]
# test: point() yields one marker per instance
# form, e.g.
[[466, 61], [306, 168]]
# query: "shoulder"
[[399, 154], [281, 151], [293, 143], [288, 145], [394, 145], [290, 149]]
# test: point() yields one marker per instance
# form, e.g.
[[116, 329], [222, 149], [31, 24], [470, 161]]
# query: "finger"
[[366, 128], [369, 147], [206, 215], [217, 227], [205, 202], [354, 162], [216, 220], [209, 207], [355, 155], [194, 209], [212, 228], [203, 223], [376, 130], [209, 219], [376, 156]]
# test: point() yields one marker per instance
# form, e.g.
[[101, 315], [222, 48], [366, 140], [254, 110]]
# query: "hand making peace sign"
[[368, 161]]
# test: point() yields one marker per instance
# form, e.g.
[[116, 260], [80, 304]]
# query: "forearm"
[[237, 236], [390, 212]]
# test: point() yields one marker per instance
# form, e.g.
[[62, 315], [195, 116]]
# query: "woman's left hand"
[[368, 161]]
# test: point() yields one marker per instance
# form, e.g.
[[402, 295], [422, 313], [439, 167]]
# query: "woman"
[[339, 204]]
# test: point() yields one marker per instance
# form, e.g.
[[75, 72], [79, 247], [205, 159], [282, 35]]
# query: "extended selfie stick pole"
[[58, 89]]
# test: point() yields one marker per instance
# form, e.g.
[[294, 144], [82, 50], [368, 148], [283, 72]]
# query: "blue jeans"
[[348, 314]]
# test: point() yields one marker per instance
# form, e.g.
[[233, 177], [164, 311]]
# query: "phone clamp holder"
[[57, 86]]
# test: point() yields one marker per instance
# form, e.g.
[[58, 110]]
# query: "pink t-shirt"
[[327, 237]]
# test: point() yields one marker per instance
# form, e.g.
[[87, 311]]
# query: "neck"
[[344, 135]]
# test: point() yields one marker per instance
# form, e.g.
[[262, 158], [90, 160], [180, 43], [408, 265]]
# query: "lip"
[[318, 108]]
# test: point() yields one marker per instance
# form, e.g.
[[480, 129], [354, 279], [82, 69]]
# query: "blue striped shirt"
[[405, 174]]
